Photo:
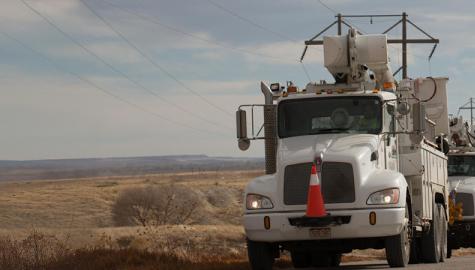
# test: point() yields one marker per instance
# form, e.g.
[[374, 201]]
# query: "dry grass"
[[42, 251], [86, 203], [77, 214], [73, 226]]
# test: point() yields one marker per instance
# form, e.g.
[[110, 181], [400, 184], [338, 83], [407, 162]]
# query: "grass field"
[[76, 213], [76, 216]]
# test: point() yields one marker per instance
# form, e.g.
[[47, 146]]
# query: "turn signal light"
[[372, 218], [267, 222], [388, 85]]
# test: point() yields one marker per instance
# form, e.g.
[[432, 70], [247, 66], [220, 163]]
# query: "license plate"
[[320, 232]]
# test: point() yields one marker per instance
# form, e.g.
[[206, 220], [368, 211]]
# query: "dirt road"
[[457, 263]]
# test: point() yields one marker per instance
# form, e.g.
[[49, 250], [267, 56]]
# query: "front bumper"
[[462, 234], [389, 221]]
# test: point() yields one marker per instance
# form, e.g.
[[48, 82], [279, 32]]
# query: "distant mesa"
[[120, 166]]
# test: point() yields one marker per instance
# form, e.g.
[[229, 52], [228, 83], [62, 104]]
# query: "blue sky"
[[45, 112]]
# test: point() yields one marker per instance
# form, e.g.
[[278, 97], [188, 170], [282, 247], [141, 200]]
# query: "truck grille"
[[467, 203], [337, 183], [296, 181]]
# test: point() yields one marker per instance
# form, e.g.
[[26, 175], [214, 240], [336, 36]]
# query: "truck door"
[[391, 161]]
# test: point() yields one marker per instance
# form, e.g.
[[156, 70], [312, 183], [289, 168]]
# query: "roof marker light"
[[275, 87], [292, 89]]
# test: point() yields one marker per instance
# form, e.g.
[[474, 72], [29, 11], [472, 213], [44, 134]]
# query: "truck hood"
[[347, 146], [462, 183], [355, 149]]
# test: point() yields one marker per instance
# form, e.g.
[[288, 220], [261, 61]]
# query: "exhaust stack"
[[270, 129]]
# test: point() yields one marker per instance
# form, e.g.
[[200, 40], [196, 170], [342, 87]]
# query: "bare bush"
[[36, 251], [151, 205], [40, 251]]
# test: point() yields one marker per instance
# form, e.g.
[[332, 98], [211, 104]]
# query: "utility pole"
[[404, 40], [404, 45], [339, 23], [471, 108]]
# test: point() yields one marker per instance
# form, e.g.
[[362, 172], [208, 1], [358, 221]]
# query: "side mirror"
[[241, 128], [241, 124], [403, 108], [418, 118]]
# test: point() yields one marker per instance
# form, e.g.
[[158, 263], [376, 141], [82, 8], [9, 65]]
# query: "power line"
[[194, 36], [116, 70], [151, 61], [328, 7], [306, 71], [101, 89], [334, 12], [242, 18], [255, 24]]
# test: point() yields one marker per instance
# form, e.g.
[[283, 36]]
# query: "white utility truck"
[[383, 175], [461, 170]]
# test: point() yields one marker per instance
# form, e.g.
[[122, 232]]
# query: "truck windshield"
[[462, 165], [325, 115]]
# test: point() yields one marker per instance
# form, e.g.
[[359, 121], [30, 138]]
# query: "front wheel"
[[398, 247], [261, 255]]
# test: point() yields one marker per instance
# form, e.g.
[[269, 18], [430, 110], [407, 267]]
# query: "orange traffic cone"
[[315, 206]]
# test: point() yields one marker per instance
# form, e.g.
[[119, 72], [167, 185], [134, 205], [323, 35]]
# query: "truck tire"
[[449, 251], [260, 254], [398, 247], [327, 259], [301, 259], [432, 241], [414, 257], [444, 244]]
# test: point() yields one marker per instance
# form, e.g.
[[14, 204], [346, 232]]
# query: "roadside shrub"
[[36, 251], [152, 205], [40, 251]]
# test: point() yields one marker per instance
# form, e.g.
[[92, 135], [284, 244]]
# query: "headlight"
[[387, 196], [255, 201]]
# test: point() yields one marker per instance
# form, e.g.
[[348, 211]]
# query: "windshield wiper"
[[329, 130], [458, 174]]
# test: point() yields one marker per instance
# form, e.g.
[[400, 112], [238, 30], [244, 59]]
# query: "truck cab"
[[349, 133]]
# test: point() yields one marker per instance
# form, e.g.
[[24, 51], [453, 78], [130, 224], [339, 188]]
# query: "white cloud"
[[211, 55], [287, 53], [70, 15], [111, 51], [65, 117], [468, 61], [52, 115], [449, 18], [224, 87]]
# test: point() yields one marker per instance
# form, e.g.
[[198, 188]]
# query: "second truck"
[[461, 170]]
